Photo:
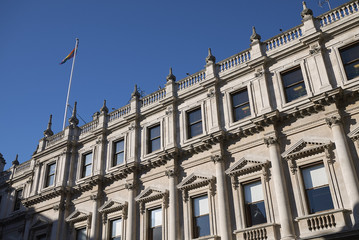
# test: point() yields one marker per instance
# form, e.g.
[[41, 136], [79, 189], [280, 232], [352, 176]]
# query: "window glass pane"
[[52, 169], [256, 213], [81, 234], [314, 176], [119, 146], [87, 171], [88, 158], [156, 217], [50, 180], [350, 53], [202, 226], [119, 158], [156, 233], [239, 98], [200, 206], [194, 116], [18, 196], [155, 144], [292, 77], [116, 227], [352, 70], [154, 132], [295, 91], [242, 112], [319, 199], [196, 129], [253, 192], [293, 84]]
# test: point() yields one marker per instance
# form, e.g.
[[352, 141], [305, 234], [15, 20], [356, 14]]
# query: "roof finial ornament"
[[135, 92], [73, 119], [210, 57], [48, 132], [104, 109], [16, 161], [255, 37], [170, 76], [306, 11], [2, 159]]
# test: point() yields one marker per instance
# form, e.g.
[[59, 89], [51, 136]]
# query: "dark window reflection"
[[293, 84], [240, 103], [254, 204], [201, 225], [81, 234], [350, 58], [155, 224], [154, 138], [87, 165], [119, 152], [194, 119]]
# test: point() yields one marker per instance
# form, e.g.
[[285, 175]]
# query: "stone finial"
[[255, 37], [2, 159], [73, 119], [16, 161], [170, 76], [306, 11], [104, 109], [48, 132], [210, 58], [135, 92]]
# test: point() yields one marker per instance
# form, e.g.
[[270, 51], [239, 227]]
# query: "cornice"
[[43, 196]]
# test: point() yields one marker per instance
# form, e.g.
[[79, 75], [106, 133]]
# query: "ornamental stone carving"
[[216, 158], [171, 173], [270, 141], [334, 120]]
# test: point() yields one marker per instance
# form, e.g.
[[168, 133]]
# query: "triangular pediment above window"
[[307, 147], [112, 206], [195, 180], [78, 216], [247, 164], [354, 135], [151, 194], [39, 223]]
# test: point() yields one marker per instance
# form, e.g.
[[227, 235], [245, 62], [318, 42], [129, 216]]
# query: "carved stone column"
[[280, 188], [346, 165], [222, 200], [173, 208], [130, 231]]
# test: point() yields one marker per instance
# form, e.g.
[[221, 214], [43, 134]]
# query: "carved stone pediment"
[[151, 194], [112, 206], [307, 147], [78, 216], [247, 164], [354, 135], [195, 180], [39, 223]]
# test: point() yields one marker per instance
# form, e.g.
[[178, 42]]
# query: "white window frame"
[[198, 185], [184, 122], [111, 151], [231, 107], [46, 174], [149, 199], [80, 160], [145, 135]]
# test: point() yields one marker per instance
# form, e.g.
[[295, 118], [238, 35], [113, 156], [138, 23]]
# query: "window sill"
[[295, 102], [263, 231], [319, 223]]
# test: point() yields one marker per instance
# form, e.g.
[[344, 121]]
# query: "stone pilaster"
[[131, 226], [173, 205], [280, 188]]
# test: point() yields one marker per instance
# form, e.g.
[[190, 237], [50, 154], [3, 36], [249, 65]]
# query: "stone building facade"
[[261, 145]]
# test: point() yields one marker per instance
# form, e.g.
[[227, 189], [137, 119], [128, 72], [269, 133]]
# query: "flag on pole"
[[71, 55]]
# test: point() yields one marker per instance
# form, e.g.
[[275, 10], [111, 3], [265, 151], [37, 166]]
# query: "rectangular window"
[[86, 164], [81, 234], [41, 237], [240, 105], [18, 197], [350, 58], [155, 224], [293, 84], [254, 204], [317, 188], [201, 225], [50, 175], [194, 121], [116, 229], [154, 138], [119, 153]]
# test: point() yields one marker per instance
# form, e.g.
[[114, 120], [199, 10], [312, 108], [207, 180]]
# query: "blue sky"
[[122, 43]]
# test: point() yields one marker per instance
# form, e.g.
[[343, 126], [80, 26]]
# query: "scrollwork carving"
[[216, 158], [334, 120], [270, 141]]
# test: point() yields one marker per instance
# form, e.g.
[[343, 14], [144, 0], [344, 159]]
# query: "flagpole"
[[69, 88]]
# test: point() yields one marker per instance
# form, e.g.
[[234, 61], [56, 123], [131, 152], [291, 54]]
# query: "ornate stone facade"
[[260, 145]]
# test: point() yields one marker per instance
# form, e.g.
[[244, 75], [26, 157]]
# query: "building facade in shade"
[[261, 145]]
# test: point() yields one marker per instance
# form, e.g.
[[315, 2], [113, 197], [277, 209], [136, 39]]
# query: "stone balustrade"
[[22, 168], [55, 138], [338, 13], [89, 127], [284, 38], [234, 61], [191, 80], [153, 97], [260, 232], [121, 112]]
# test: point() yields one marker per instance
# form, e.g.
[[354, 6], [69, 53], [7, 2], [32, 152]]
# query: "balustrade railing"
[[234, 61], [55, 138], [20, 169], [283, 38], [321, 222], [153, 97], [119, 113], [89, 127], [339, 13], [191, 80]]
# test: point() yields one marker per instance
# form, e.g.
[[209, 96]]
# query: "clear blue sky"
[[122, 43]]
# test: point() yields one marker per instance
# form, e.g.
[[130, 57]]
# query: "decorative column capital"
[[216, 158], [171, 173], [270, 141], [130, 186], [333, 120]]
